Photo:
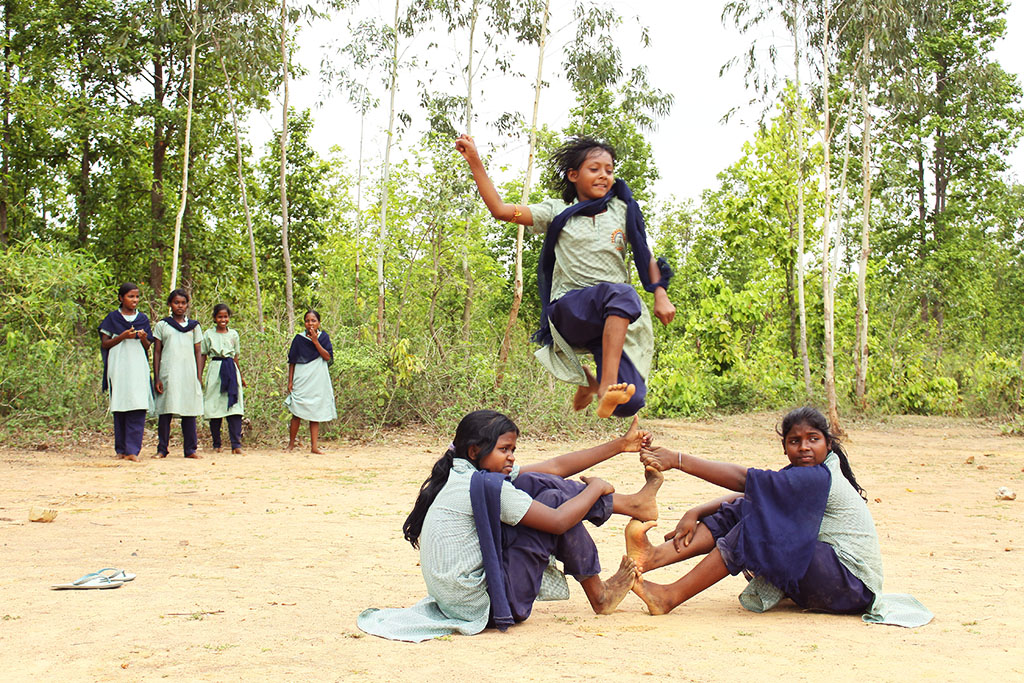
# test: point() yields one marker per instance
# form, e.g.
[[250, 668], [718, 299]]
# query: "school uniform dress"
[[589, 282], [223, 396], [811, 539], [127, 380], [183, 394], [312, 396], [452, 562]]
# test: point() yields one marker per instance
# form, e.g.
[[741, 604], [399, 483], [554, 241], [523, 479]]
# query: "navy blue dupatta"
[[781, 515], [114, 324], [303, 350], [189, 325], [485, 498], [636, 233]]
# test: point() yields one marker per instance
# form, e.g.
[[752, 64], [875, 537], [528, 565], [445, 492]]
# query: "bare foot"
[[643, 504], [615, 588], [584, 395], [653, 595], [615, 395], [131, 456], [317, 451], [237, 451], [216, 450], [291, 445], [637, 545], [194, 456], [158, 455]]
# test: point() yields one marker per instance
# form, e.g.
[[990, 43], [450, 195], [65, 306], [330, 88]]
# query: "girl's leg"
[[643, 504], [215, 433], [314, 435], [527, 550], [663, 599], [828, 586], [119, 425], [190, 437], [648, 556], [235, 432], [163, 433], [628, 375], [134, 427], [293, 432]]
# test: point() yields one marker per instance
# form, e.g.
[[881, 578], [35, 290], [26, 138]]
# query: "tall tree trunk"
[[517, 296], [467, 275], [242, 189], [5, 148], [861, 354], [157, 208], [289, 299], [186, 156], [359, 206], [384, 192], [800, 203], [826, 285], [84, 163]]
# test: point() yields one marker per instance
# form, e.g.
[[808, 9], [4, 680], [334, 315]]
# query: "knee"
[[550, 497], [622, 300]]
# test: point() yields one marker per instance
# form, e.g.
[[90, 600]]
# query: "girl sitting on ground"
[[486, 529], [803, 532]]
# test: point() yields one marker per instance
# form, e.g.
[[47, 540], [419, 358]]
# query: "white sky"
[[688, 46]]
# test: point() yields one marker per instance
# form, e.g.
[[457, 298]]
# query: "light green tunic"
[[452, 565], [183, 395], [227, 345], [590, 250], [312, 396], [128, 374]]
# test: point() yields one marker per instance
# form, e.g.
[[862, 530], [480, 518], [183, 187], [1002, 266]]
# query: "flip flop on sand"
[[90, 580], [116, 574]]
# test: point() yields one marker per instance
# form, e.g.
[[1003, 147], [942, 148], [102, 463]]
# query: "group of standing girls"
[[181, 350], [181, 353]]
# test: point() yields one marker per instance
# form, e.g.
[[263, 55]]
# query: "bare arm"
[[664, 310], [239, 368], [158, 348], [324, 353], [578, 461], [568, 514], [291, 376], [725, 474], [200, 361], [107, 342], [687, 526], [512, 213]]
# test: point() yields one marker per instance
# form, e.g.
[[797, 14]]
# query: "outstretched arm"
[[512, 213], [568, 514], [726, 474], [578, 461]]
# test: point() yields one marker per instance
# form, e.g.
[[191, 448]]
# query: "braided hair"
[[813, 418]]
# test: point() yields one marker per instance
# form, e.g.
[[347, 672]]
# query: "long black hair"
[[813, 418], [481, 428], [570, 156]]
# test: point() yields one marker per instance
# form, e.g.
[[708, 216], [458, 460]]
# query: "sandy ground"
[[255, 567]]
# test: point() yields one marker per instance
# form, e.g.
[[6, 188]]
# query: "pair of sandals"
[[108, 577]]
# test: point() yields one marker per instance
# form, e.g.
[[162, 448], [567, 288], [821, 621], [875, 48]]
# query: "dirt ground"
[[254, 567]]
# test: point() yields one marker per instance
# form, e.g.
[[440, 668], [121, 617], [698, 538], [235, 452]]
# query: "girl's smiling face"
[[502, 457], [595, 176], [221, 320], [805, 446], [130, 300], [179, 307]]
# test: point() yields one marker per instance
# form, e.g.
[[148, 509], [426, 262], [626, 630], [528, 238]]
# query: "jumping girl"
[[310, 394], [486, 529], [587, 302], [124, 344], [178, 367], [223, 397], [803, 532]]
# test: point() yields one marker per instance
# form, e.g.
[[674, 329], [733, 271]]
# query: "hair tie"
[[451, 449]]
